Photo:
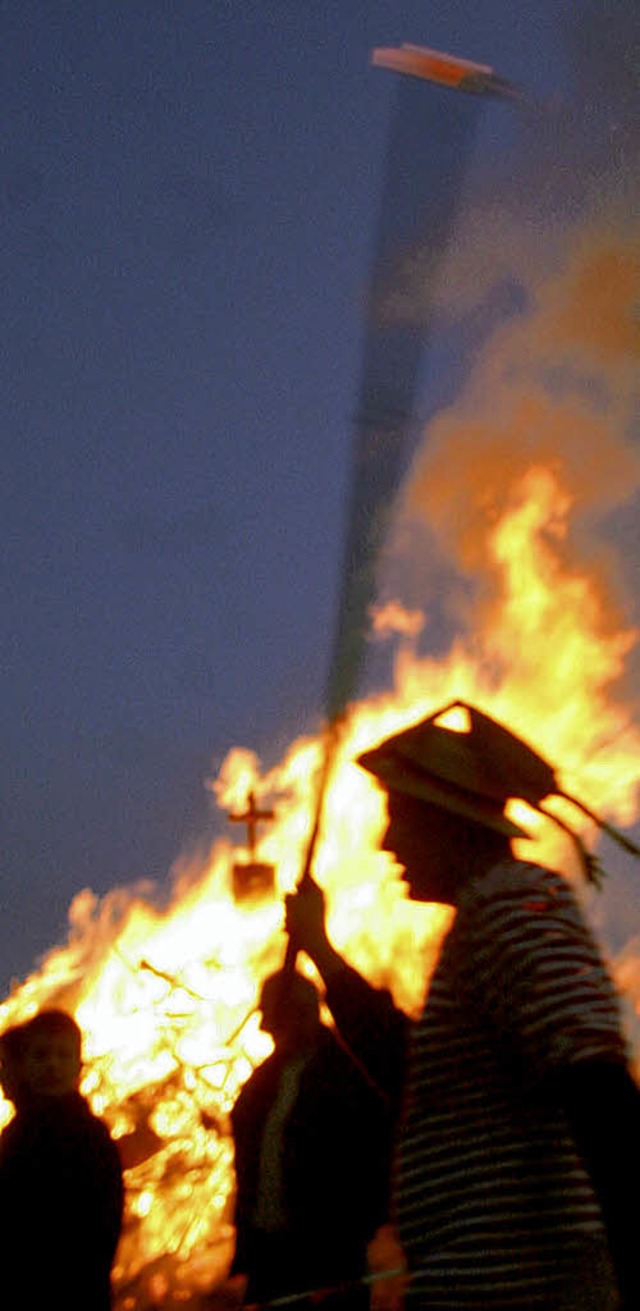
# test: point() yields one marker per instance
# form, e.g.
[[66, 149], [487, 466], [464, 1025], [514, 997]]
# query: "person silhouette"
[[312, 1155], [518, 1151], [61, 1188]]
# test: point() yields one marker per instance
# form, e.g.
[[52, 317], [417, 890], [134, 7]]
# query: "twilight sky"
[[189, 197]]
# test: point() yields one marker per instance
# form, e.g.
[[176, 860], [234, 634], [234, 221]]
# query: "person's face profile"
[[51, 1064]]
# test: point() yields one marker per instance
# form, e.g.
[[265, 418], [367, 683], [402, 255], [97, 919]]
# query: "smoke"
[[539, 305], [574, 161], [540, 439], [554, 383], [554, 390], [526, 480]]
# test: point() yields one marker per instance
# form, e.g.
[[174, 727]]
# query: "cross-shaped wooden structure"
[[252, 816]]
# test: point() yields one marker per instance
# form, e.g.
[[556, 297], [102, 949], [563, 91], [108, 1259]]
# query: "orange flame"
[[166, 996]]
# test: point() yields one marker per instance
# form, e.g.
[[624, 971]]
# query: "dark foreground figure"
[[312, 1140], [61, 1192], [518, 1153]]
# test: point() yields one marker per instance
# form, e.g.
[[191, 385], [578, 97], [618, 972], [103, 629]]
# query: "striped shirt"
[[494, 1206]]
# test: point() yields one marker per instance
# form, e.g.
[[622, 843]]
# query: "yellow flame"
[[456, 718], [166, 997]]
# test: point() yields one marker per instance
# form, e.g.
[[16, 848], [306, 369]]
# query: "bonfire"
[[503, 504]]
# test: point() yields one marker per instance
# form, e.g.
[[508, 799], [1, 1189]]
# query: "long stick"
[[331, 739], [319, 1294], [432, 134]]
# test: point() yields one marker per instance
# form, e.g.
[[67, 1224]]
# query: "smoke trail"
[[555, 383]]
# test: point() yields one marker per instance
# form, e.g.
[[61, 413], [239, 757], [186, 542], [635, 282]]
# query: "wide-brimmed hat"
[[463, 761]]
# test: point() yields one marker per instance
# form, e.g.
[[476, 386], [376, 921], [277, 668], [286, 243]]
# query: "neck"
[[476, 850]]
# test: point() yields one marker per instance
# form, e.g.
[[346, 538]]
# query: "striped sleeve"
[[537, 971]]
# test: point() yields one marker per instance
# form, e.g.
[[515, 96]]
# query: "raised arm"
[[366, 1018]]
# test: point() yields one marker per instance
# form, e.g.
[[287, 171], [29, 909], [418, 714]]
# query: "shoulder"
[[328, 1048], [518, 897], [257, 1086], [330, 1063], [526, 920], [523, 942], [11, 1139], [78, 1110], [516, 881], [81, 1130]]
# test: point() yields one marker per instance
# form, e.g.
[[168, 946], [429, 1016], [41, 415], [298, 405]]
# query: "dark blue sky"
[[189, 194]]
